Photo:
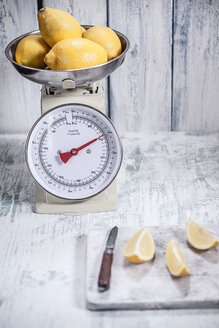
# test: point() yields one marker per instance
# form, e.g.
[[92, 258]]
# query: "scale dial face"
[[73, 151]]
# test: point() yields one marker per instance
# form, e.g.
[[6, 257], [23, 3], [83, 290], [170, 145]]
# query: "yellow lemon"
[[140, 248], [31, 51], [83, 30], [107, 38], [199, 237], [175, 260], [74, 54], [56, 25]]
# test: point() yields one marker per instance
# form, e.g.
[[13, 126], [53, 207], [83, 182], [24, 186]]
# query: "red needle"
[[74, 151]]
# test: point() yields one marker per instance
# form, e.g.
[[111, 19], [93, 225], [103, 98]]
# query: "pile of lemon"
[[64, 44], [141, 247]]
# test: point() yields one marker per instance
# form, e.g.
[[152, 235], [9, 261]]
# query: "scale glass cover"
[[73, 151]]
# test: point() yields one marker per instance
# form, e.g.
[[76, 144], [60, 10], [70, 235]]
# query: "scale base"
[[104, 202], [107, 200]]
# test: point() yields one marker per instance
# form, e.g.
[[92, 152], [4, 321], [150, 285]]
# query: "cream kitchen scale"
[[73, 151]]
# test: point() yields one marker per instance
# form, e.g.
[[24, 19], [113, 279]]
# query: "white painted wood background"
[[196, 65], [19, 98], [161, 86]]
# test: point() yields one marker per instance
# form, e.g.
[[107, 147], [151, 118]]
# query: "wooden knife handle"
[[105, 272]]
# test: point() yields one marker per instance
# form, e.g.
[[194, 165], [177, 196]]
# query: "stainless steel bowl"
[[79, 76]]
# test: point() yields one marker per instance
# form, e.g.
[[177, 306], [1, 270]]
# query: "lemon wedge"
[[140, 248], [175, 260], [199, 237]]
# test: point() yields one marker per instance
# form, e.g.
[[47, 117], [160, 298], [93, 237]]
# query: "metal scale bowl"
[[78, 86], [79, 76]]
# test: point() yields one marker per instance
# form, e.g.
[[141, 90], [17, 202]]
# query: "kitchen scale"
[[73, 150]]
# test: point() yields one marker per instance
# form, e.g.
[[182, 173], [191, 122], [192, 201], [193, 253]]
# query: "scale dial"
[[73, 151]]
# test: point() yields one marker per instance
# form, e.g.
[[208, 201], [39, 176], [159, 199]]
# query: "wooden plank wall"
[[196, 65], [169, 80], [20, 98], [140, 92]]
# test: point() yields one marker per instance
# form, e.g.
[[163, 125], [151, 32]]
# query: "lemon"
[[83, 30], [175, 260], [140, 248], [199, 237], [107, 38], [56, 25], [74, 54], [31, 51]]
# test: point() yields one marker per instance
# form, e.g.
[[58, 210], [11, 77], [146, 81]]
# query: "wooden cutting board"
[[149, 285]]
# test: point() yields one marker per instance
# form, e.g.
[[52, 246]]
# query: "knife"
[[105, 269]]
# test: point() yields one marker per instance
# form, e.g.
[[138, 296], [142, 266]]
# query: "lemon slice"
[[175, 260], [199, 237], [140, 248]]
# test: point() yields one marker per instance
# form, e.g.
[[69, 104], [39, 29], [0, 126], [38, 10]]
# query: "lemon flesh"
[[107, 38], [175, 260], [56, 25], [31, 51], [75, 54], [199, 237], [140, 248]]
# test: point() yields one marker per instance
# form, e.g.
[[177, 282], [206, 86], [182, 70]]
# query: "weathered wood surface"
[[140, 91], [20, 98], [165, 178], [195, 65], [86, 12]]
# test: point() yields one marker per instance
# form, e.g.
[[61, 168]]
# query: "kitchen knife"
[[105, 269]]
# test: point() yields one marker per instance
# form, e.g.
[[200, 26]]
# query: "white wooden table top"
[[165, 179]]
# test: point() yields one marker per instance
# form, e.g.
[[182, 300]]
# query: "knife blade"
[[106, 264]]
